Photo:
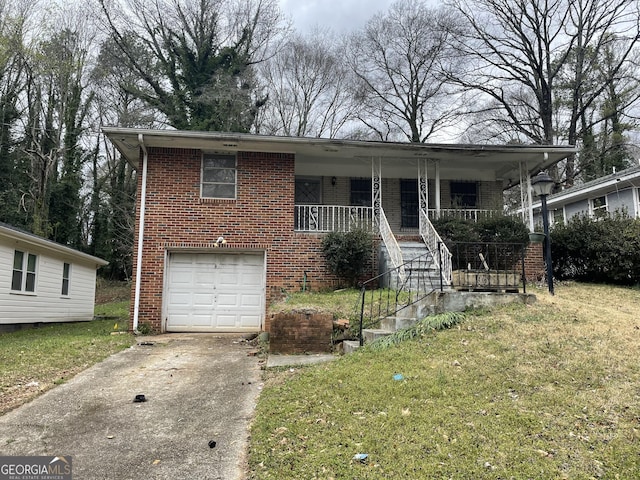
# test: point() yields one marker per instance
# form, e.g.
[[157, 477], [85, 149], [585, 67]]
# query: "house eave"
[[623, 180], [502, 161], [30, 239]]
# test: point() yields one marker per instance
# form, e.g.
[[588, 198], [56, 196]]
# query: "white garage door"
[[215, 292]]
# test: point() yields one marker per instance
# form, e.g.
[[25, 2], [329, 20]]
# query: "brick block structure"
[[534, 269], [300, 332], [260, 219]]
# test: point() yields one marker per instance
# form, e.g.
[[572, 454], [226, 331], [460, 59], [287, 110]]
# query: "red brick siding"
[[260, 218], [534, 263], [300, 332]]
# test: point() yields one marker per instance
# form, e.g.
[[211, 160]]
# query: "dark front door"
[[409, 203]]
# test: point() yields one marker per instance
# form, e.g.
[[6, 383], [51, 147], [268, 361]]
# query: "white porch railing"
[[332, 218], [436, 246], [469, 214], [389, 240]]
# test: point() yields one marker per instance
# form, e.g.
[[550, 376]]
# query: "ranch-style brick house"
[[227, 223]]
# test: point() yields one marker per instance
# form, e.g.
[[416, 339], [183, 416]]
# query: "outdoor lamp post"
[[542, 185]]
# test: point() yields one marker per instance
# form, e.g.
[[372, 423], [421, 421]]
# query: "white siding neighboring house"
[[43, 281], [619, 191]]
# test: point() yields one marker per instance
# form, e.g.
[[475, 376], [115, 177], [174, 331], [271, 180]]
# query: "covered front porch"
[[398, 193]]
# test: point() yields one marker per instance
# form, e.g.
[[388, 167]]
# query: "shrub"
[[500, 229], [503, 229], [348, 253], [602, 250], [456, 230], [458, 233]]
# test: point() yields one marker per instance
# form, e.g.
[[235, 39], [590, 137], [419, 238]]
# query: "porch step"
[[371, 334], [350, 346], [393, 324], [421, 276]]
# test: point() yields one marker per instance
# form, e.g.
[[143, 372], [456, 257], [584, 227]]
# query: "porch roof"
[[329, 157]]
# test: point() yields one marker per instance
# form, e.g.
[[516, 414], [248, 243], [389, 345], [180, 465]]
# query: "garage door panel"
[[249, 320], [249, 300], [215, 292], [226, 321], [180, 299], [229, 279], [229, 300], [181, 277], [202, 300]]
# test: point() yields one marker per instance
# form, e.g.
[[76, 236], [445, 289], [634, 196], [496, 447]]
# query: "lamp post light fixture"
[[542, 185]]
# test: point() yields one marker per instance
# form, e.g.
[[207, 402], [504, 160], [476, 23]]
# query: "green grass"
[[543, 391], [34, 360], [113, 309], [340, 303]]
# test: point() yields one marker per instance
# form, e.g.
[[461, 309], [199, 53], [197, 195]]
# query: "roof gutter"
[[143, 199]]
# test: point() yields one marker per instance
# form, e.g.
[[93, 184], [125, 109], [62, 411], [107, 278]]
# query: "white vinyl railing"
[[469, 214], [436, 246], [389, 240], [332, 218]]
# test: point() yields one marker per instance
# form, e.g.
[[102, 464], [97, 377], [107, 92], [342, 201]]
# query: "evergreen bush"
[[601, 250], [348, 253]]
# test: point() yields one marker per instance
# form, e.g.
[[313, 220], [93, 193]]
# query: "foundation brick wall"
[[261, 218], [300, 332]]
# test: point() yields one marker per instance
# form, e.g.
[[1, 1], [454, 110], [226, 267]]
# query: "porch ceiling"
[[331, 157]]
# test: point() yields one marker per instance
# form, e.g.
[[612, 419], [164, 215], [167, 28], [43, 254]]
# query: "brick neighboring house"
[[227, 223]]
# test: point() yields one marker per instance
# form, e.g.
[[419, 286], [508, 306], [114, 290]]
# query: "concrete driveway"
[[198, 387]]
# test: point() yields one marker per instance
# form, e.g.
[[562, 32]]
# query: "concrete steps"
[[435, 303], [422, 275]]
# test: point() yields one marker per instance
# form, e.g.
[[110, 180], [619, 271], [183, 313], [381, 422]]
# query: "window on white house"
[[558, 216], [599, 205], [218, 176], [66, 276], [23, 277]]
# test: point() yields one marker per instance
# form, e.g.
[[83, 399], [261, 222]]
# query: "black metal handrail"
[[391, 292], [488, 265]]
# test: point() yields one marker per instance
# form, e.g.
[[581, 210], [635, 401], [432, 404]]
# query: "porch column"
[[376, 190], [437, 192], [423, 186], [526, 199]]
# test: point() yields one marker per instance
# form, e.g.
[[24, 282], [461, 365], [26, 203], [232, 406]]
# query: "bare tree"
[[56, 104], [194, 59], [517, 51], [396, 62], [307, 91], [14, 24]]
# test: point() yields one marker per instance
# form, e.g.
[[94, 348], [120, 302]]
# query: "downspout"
[[143, 199]]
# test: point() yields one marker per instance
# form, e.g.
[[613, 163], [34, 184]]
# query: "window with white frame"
[[23, 277], [558, 216], [218, 179], [599, 205], [66, 277]]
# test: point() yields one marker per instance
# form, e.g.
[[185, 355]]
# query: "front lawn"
[[36, 359], [550, 390]]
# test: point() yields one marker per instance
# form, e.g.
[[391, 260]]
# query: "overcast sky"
[[340, 15]]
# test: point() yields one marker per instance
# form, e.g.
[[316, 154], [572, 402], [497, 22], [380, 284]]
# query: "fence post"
[[524, 272], [440, 264], [360, 338]]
